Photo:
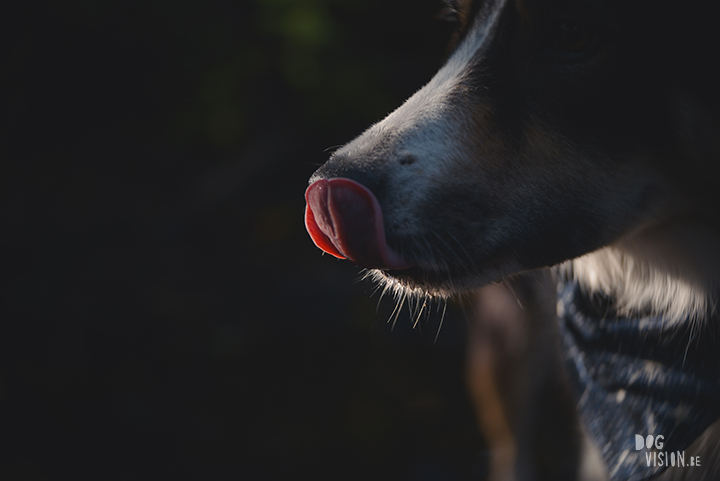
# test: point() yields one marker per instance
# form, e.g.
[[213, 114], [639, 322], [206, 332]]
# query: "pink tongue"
[[344, 219]]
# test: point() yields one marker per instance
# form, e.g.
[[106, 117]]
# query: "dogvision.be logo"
[[658, 457]]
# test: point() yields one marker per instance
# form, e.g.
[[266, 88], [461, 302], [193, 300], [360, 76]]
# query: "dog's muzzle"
[[345, 220]]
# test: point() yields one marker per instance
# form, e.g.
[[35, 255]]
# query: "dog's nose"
[[344, 219]]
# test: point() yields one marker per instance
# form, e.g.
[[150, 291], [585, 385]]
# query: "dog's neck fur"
[[669, 270]]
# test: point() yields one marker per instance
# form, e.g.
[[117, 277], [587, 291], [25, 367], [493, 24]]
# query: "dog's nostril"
[[407, 159]]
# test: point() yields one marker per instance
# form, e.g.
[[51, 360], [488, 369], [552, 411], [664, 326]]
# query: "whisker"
[[382, 294], [417, 319], [442, 318], [508, 284], [398, 308]]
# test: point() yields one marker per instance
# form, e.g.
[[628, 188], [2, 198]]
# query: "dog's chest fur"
[[638, 328]]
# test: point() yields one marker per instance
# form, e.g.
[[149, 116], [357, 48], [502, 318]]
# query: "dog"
[[562, 165]]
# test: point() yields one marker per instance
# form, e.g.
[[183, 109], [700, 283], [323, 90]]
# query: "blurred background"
[[163, 314]]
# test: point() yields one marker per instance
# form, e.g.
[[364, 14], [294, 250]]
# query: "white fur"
[[426, 126], [668, 271]]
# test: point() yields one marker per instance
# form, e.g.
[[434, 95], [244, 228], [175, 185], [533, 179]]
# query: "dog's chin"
[[438, 283]]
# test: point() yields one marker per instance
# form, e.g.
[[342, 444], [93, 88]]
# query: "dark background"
[[163, 314]]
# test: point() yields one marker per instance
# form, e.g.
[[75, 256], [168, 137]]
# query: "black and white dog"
[[580, 136]]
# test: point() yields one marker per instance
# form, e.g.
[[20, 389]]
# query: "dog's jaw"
[[439, 280]]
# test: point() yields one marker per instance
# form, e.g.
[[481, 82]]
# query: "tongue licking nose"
[[344, 219]]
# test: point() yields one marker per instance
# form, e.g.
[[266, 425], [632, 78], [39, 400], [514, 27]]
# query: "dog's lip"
[[344, 219]]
